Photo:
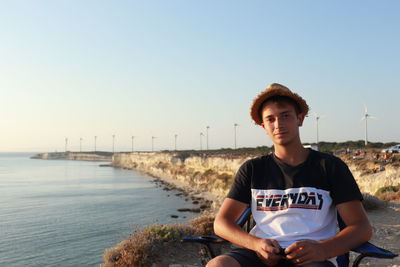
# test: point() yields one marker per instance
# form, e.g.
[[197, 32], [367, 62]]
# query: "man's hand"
[[306, 251], [268, 250]]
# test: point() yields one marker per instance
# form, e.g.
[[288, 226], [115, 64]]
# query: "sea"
[[66, 213]]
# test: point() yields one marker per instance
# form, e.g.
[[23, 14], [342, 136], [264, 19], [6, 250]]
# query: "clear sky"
[[78, 69]]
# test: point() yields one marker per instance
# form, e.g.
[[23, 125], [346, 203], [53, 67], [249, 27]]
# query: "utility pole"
[[176, 136], [95, 139], [66, 144], [366, 130], [234, 132], [152, 143], [207, 128], [201, 141], [113, 137], [132, 142], [317, 119], [80, 144]]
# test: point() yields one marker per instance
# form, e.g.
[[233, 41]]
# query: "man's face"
[[281, 122]]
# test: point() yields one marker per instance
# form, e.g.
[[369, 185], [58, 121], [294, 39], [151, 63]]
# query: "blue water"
[[65, 213]]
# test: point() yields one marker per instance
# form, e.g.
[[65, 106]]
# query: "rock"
[[190, 210]]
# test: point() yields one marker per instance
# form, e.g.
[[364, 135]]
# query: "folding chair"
[[365, 250]]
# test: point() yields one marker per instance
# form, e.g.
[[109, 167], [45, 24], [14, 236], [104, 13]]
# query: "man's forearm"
[[347, 239], [234, 234]]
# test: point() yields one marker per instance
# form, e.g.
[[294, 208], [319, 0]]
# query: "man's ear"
[[300, 118]]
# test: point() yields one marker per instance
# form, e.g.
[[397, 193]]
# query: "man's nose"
[[278, 122]]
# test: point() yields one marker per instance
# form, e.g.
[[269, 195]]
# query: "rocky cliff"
[[203, 173], [370, 183], [214, 173]]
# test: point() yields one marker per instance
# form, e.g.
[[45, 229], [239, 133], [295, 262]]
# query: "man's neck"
[[291, 155]]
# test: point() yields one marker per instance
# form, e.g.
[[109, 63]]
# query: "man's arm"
[[357, 231], [225, 226]]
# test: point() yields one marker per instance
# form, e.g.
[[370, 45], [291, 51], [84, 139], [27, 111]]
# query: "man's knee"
[[223, 260]]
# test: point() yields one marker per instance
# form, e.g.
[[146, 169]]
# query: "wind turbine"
[[317, 117], [365, 117]]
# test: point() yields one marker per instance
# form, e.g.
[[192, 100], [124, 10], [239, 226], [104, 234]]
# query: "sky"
[[72, 70]]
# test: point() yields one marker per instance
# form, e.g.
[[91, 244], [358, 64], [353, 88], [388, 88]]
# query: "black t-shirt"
[[291, 203], [320, 170]]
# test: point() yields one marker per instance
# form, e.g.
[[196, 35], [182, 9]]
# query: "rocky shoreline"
[[199, 201]]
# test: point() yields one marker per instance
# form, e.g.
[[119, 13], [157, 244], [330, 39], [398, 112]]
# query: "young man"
[[294, 194]]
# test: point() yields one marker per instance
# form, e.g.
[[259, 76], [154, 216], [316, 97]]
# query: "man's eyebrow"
[[280, 113]]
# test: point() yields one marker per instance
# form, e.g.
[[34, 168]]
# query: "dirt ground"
[[386, 225]]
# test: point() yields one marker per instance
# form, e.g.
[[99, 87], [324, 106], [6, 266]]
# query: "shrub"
[[389, 193], [391, 196], [209, 172], [226, 180], [373, 203], [144, 246], [385, 189]]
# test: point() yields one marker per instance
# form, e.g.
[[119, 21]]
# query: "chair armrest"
[[209, 252], [205, 239], [371, 250], [244, 217]]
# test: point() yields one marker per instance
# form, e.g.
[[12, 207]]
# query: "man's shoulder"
[[327, 160], [325, 156], [258, 161]]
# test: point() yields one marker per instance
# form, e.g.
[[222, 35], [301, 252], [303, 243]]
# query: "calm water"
[[65, 213]]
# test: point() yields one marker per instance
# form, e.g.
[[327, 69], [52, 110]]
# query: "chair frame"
[[365, 250]]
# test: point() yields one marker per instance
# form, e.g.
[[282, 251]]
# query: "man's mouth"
[[279, 134]]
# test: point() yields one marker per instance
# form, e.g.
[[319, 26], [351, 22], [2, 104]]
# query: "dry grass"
[[145, 246], [142, 248], [203, 224]]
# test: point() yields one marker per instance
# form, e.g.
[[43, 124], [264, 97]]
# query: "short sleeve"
[[344, 186], [241, 187]]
